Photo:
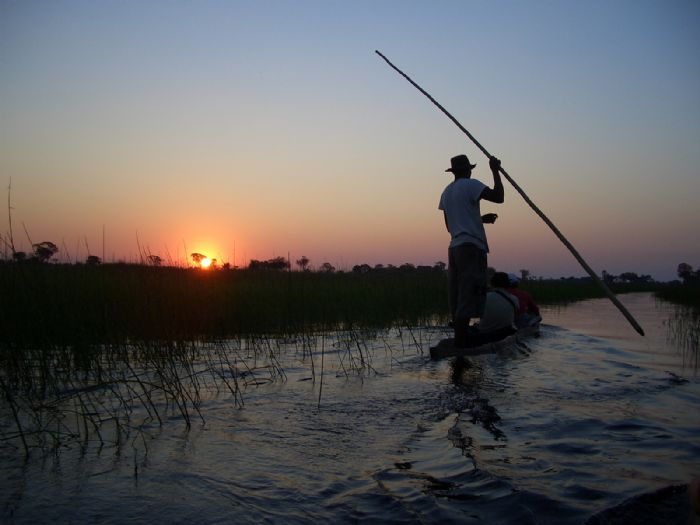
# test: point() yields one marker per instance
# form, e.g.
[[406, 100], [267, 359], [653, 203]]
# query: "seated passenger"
[[498, 319], [528, 312]]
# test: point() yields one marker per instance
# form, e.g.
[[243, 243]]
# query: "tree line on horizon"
[[44, 252]]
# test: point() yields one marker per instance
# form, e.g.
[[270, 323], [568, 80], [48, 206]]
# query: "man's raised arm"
[[496, 193]]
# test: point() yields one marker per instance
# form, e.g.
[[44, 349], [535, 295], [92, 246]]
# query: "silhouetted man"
[[500, 311], [460, 203]]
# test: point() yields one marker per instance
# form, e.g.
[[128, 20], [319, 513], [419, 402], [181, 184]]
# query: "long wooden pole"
[[529, 202]]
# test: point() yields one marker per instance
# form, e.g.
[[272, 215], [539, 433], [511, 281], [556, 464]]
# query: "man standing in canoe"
[[467, 259]]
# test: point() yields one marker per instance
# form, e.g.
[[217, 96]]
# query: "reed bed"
[[98, 354], [72, 305], [563, 291], [102, 354], [55, 397], [684, 330], [686, 294]]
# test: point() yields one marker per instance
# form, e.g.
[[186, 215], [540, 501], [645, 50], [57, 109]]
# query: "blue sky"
[[254, 129]]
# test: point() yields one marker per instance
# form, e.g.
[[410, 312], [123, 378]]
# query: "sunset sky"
[[254, 129]]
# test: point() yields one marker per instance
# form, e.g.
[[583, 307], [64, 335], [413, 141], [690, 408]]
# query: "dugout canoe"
[[446, 348]]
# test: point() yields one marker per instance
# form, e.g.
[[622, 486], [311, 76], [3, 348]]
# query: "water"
[[586, 417]]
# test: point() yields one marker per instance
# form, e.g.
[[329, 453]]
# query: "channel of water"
[[582, 420]]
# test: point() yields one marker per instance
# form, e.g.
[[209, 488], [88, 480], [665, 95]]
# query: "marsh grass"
[[101, 355], [683, 329], [119, 390], [98, 354], [563, 291], [76, 305], [686, 294]]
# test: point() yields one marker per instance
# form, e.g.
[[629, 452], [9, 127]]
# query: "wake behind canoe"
[[446, 348]]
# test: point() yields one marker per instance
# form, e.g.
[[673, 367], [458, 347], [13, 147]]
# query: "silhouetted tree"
[[629, 277], [155, 260], [43, 251], [608, 278], [685, 272], [277, 263], [524, 274], [19, 256], [440, 266], [327, 267], [93, 260], [361, 268], [303, 263], [198, 257]]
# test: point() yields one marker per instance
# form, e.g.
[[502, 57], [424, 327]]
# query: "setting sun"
[[202, 261]]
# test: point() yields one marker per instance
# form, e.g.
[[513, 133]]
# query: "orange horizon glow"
[[207, 149]]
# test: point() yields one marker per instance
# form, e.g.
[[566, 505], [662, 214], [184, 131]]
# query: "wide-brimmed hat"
[[460, 163]]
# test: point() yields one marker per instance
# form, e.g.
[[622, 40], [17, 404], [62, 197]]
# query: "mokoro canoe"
[[446, 347]]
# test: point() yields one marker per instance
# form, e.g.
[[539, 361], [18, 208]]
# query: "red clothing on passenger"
[[527, 305]]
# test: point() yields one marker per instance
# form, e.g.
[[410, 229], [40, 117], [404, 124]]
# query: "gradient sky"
[[253, 129]]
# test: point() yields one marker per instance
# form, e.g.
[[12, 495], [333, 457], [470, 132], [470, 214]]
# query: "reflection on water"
[[672, 331], [580, 420]]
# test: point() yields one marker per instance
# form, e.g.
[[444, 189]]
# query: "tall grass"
[[562, 291], [687, 294], [684, 326], [75, 305], [67, 304], [83, 347]]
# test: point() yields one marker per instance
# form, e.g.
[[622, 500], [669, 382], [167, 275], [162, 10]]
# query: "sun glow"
[[202, 261]]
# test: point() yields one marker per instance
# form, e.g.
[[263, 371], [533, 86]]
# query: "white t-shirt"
[[460, 202], [499, 311]]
